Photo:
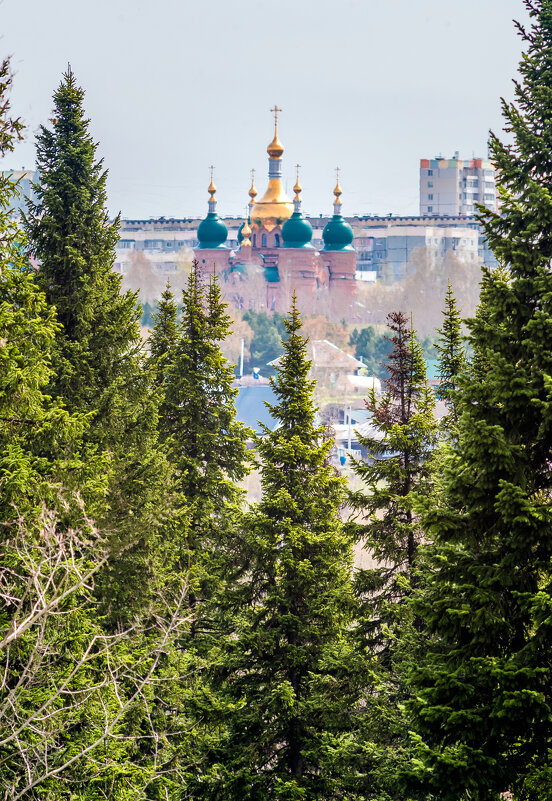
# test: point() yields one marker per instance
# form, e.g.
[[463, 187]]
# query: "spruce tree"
[[396, 472], [165, 328], [452, 361], [482, 706], [287, 668], [207, 445], [99, 357], [404, 434]]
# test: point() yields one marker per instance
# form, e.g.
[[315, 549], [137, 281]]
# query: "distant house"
[[334, 368]]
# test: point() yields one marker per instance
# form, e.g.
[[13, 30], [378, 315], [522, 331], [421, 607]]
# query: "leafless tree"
[[70, 693]]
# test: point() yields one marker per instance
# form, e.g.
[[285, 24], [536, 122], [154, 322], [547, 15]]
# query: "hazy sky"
[[173, 86]]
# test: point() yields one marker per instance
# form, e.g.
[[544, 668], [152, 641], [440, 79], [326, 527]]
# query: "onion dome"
[[246, 233], [212, 232], [275, 149], [337, 234], [252, 192], [297, 232]]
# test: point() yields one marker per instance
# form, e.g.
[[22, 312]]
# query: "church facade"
[[275, 257]]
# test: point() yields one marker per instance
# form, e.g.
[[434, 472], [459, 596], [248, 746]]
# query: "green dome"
[[212, 232], [338, 234], [297, 232]]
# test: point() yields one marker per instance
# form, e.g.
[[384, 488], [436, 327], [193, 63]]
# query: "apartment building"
[[454, 186]]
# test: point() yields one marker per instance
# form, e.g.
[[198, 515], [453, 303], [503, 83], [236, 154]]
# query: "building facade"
[[454, 186]]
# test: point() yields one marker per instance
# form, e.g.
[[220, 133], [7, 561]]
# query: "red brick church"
[[275, 256]]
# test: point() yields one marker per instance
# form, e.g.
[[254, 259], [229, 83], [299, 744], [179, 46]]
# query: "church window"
[[263, 241], [254, 240], [276, 240]]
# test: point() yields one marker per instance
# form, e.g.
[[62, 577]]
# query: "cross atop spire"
[[212, 190], [276, 111]]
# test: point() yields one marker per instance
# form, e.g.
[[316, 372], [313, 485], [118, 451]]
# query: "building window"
[[430, 184], [254, 240], [430, 172], [430, 209], [430, 197], [276, 240], [263, 241]]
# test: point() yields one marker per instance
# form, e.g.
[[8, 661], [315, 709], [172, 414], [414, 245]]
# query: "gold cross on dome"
[[337, 171], [212, 171], [276, 111]]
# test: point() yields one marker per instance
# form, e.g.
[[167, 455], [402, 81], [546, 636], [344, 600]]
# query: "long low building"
[[384, 245]]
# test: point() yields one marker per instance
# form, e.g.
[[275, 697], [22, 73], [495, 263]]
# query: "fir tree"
[[287, 669], [98, 353], [207, 445], [162, 343], [404, 435], [483, 699], [451, 357], [397, 471], [163, 336]]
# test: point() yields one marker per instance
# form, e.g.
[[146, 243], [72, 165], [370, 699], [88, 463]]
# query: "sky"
[[174, 86]]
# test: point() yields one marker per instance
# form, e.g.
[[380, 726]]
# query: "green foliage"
[[287, 668], [207, 445], [482, 707], [266, 344], [99, 357], [404, 435], [395, 474], [452, 362], [372, 348], [68, 691]]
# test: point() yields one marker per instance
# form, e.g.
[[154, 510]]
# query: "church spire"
[[337, 193], [212, 192], [274, 206], [297, 189]]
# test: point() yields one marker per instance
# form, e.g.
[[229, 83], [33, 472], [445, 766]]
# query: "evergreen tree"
[[452, 361], [98, 354], [162, 343], [288, 668], [207, 445], [397, 471], [483, 698], [163, 336]]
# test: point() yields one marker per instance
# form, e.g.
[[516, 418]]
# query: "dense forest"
[[162, 638]]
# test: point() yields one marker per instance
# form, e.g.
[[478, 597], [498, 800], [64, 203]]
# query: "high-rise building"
[[454, 186]]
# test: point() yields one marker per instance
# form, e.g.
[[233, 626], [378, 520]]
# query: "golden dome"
[[297, 188], [337, 191], [253, 192], [212, 188], [275, 148], [246, 230], [273, 208]]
